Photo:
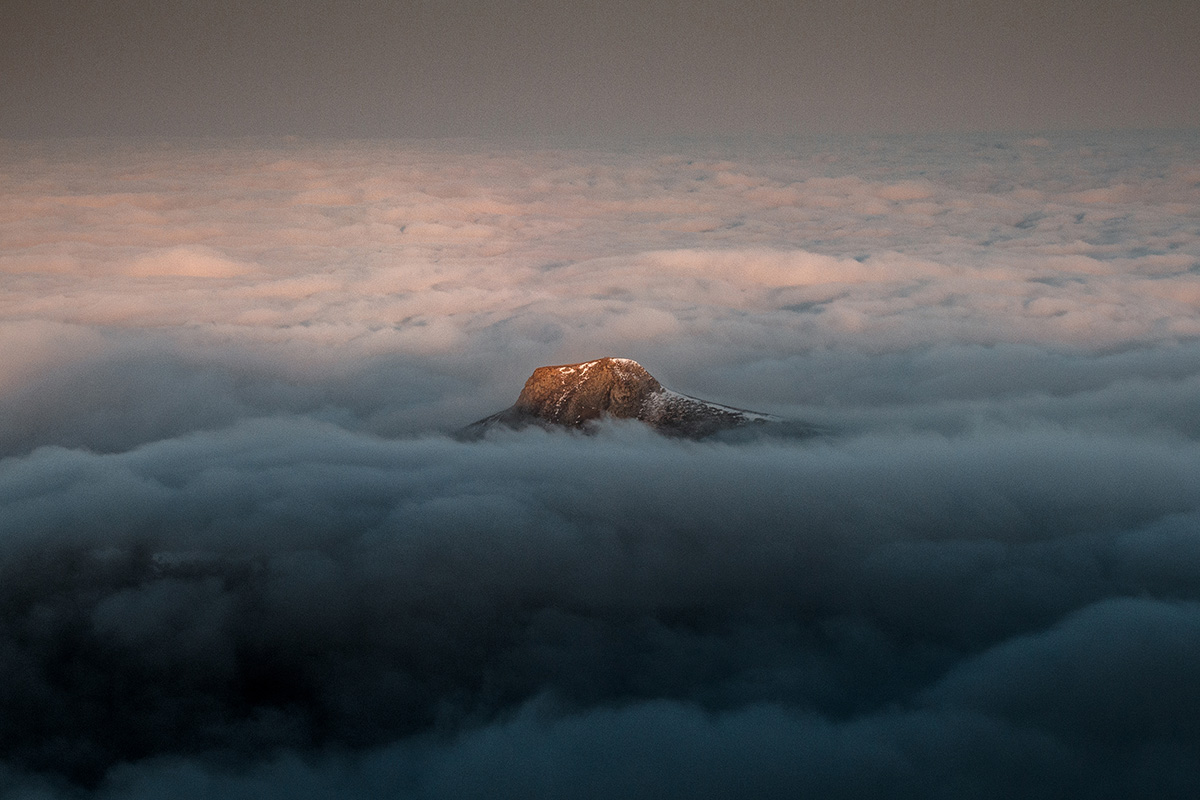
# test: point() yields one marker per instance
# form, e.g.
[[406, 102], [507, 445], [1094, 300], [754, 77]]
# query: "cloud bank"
[[241, 557]]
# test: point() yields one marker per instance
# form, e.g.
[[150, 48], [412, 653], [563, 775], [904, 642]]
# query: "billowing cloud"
[[294, 587], [240, 556]]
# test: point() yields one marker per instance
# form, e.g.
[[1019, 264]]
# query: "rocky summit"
[[579, 395]]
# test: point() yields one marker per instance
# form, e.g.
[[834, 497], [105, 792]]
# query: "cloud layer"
[[240, 556]]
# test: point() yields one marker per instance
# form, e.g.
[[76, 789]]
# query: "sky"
[[368, 68], [242, 553]]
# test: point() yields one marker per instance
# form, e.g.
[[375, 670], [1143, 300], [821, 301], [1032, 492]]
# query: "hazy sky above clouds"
[[611, 67]]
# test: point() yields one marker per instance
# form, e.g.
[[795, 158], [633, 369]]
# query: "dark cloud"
[[616, 606]]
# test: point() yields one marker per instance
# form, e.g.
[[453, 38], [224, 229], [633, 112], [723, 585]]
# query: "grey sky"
[[464, 67]]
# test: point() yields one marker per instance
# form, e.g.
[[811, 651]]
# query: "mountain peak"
[[576, 395], [573, 394]]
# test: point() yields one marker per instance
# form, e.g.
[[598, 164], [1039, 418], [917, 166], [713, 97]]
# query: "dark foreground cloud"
[[285, 606]]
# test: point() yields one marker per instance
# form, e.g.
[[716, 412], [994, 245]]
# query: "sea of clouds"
[[243, 555]]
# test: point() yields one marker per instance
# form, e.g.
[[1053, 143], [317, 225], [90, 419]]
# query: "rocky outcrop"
[[579, 395]]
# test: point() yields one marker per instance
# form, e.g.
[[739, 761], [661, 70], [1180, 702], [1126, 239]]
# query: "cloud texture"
[[240, 556]]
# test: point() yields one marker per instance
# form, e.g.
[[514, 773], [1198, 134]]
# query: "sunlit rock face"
[[576, 395]]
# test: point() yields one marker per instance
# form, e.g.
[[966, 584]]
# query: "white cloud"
[[185, 262], [225, 371]]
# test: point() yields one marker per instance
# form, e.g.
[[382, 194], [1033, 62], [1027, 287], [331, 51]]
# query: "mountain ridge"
[[579, 395]]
